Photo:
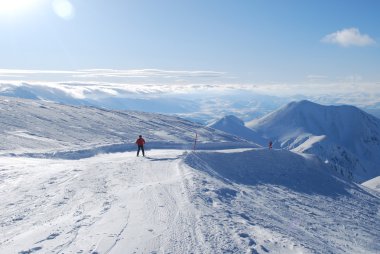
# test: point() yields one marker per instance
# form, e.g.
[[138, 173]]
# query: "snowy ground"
[[373, 184], [232, 201], [45, 129]]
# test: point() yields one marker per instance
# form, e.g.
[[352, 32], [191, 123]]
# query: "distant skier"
[[270, 144], [140, 142]]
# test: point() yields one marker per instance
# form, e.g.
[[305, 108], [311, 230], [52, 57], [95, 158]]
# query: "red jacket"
[[140, 141]]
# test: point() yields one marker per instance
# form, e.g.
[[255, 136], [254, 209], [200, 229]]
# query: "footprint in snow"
[[30, 250], [264, 249], [19, 218], [52, 236], [243, 235]]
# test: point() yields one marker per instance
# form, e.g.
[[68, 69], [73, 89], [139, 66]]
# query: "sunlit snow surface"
[[345, 136], [374, 183], [70, 182], [171, 201], [44, 129]]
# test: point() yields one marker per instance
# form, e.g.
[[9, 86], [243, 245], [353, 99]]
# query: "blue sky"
[[246, 41]]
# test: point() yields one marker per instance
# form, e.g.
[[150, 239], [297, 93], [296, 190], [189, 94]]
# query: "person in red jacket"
[[140, 142]]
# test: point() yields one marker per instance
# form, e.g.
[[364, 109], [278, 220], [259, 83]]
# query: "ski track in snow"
[[175, 202], [115, 203]]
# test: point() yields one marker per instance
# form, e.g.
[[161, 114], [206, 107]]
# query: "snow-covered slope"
[[345, 136], [172, 201], [235, 126], [231, 201], [373, 183], [283, 202], [29, 126]]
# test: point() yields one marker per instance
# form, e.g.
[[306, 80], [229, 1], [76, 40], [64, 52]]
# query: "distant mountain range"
[[192, 104]]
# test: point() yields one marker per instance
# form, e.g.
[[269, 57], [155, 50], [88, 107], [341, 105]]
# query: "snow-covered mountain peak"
[[338, 121], [235, 126], [344, 124], [344, 133], [228, 120]]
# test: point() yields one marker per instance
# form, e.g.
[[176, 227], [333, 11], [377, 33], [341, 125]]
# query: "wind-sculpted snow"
[[36, 127], [283, 202], [344, 136]]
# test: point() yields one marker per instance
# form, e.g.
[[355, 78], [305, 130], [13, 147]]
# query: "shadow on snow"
[[274, 167]]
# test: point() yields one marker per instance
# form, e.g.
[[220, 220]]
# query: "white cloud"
[[243, 100], [98, 83], [349, 37], [111, 75], [147, 73]]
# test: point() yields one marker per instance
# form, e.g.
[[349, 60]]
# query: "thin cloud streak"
[[26, 72], [147, 73], [103, 74], [280, 89], [317, 78]]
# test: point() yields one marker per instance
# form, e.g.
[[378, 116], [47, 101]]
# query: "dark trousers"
[[140, 148]]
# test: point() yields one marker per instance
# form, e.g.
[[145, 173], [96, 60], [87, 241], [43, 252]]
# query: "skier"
[[270, 144], [140, 142]]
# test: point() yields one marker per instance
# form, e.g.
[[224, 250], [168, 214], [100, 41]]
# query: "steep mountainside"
[[344, 136]]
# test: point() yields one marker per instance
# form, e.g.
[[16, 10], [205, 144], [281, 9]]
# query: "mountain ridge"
[[235, 126], [30, 126], [345, 136]]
